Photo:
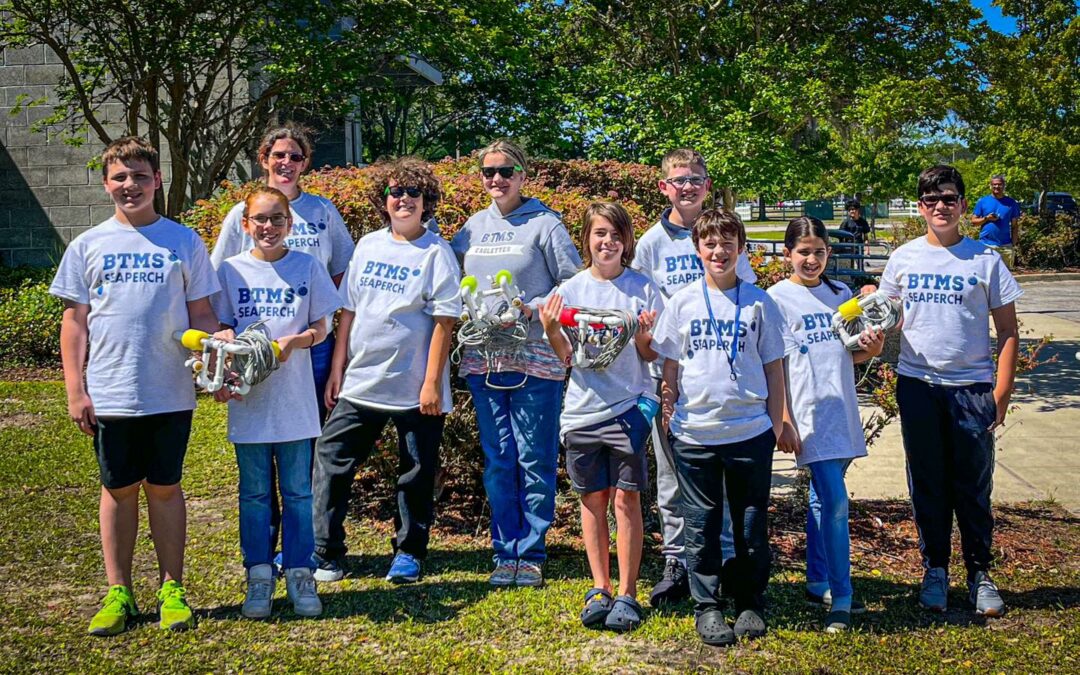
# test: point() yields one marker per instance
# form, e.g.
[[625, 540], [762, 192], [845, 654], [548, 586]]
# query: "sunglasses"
[[397, 192], [278, 221], [930, 201], [681, 181], [504, 171], [293, 156]]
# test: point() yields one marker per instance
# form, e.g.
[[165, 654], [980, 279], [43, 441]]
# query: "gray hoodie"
[[531, 243]]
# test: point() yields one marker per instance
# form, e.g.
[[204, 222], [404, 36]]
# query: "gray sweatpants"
[[668, 498]]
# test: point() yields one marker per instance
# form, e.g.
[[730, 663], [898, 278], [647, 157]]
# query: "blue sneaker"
[[279, 571], [404, 570]]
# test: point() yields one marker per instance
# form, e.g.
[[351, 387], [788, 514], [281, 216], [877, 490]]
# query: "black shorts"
[[150, 447], [609, 454]]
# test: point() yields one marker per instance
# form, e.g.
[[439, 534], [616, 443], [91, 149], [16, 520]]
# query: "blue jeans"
[[828, 544], [293, 462], [519, 432]]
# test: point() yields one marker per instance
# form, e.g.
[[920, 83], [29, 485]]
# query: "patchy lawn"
[[53, 579]]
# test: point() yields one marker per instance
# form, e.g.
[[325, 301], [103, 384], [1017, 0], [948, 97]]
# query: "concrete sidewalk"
[[1038, 450]]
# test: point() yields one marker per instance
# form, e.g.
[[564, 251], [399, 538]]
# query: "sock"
[[817, 587]]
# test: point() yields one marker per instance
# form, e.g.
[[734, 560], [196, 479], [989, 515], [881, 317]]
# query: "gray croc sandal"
[[624, 616], [750, 624], [713, 629], [597, 606]]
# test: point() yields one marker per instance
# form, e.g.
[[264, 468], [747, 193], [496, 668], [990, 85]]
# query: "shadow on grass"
[[420, 603], [893, 606]]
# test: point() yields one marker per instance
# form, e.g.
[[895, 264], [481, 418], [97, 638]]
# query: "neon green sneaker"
[[117, 607], [174, 610]]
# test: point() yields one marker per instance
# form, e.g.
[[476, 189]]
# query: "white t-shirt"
[[666, 255], [821, 373], [290, 294], [712, 408], [396, 289], [597, 395], [317, 229], [948, 293], [137, 282]]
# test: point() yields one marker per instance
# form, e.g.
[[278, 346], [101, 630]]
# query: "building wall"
[[47, 194]]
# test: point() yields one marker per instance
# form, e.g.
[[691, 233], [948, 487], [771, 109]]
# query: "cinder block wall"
[[47, 195]]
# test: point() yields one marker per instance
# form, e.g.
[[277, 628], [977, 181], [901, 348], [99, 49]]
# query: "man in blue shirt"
[[996, 215]]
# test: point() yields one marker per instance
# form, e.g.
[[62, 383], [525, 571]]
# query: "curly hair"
[[406, 172]]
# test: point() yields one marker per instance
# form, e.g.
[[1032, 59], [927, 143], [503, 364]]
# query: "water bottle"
[[648, 408]]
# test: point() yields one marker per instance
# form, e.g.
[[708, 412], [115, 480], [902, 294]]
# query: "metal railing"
[[849, 259]]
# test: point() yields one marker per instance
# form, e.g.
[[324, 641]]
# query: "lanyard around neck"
[[734, 353]]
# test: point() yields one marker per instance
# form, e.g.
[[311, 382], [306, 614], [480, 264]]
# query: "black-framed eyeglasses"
[[293, 156], [398, 191], [930, 201], [504, 171], [681, 181], [278, 220]]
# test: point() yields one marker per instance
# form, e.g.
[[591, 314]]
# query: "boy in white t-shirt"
[[949, 403], [401, 300], [605, 420], [665, 254], [128, 285], [722, 340]]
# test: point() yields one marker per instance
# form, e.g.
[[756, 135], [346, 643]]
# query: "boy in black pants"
[[949, 403], [723, 401]]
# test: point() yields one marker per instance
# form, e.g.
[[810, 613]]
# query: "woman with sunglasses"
[[317, 229], [517, 400]]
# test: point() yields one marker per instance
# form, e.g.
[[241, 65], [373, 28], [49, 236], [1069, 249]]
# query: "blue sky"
[[994, 18]]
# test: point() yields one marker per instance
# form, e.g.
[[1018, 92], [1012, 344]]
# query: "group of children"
[[719, 371]]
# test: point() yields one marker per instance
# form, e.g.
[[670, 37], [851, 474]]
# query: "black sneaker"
[[826, 601], [673, 587], [328, 570]]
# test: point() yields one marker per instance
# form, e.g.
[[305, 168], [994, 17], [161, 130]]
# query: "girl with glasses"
[[273, 425], [317, 229]]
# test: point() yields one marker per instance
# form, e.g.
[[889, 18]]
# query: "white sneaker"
[[260, 592], [300, 586]]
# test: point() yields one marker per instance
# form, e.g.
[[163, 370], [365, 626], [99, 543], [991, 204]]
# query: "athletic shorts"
[[609, 454], [150, 447]]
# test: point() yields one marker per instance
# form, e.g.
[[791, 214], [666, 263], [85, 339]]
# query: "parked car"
[[1054, 203]]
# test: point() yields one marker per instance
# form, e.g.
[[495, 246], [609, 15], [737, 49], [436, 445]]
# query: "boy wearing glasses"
[[949, 403], [666, 255], [128, 284]]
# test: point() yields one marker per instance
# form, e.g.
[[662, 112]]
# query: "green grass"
[[452, 620]]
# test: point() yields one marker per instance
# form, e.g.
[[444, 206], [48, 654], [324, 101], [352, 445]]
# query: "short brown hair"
[[682, 157], [718, 223], [505, 146], [288, 131], [619, 218], [127, 148], [266, 190], [406, 172]]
